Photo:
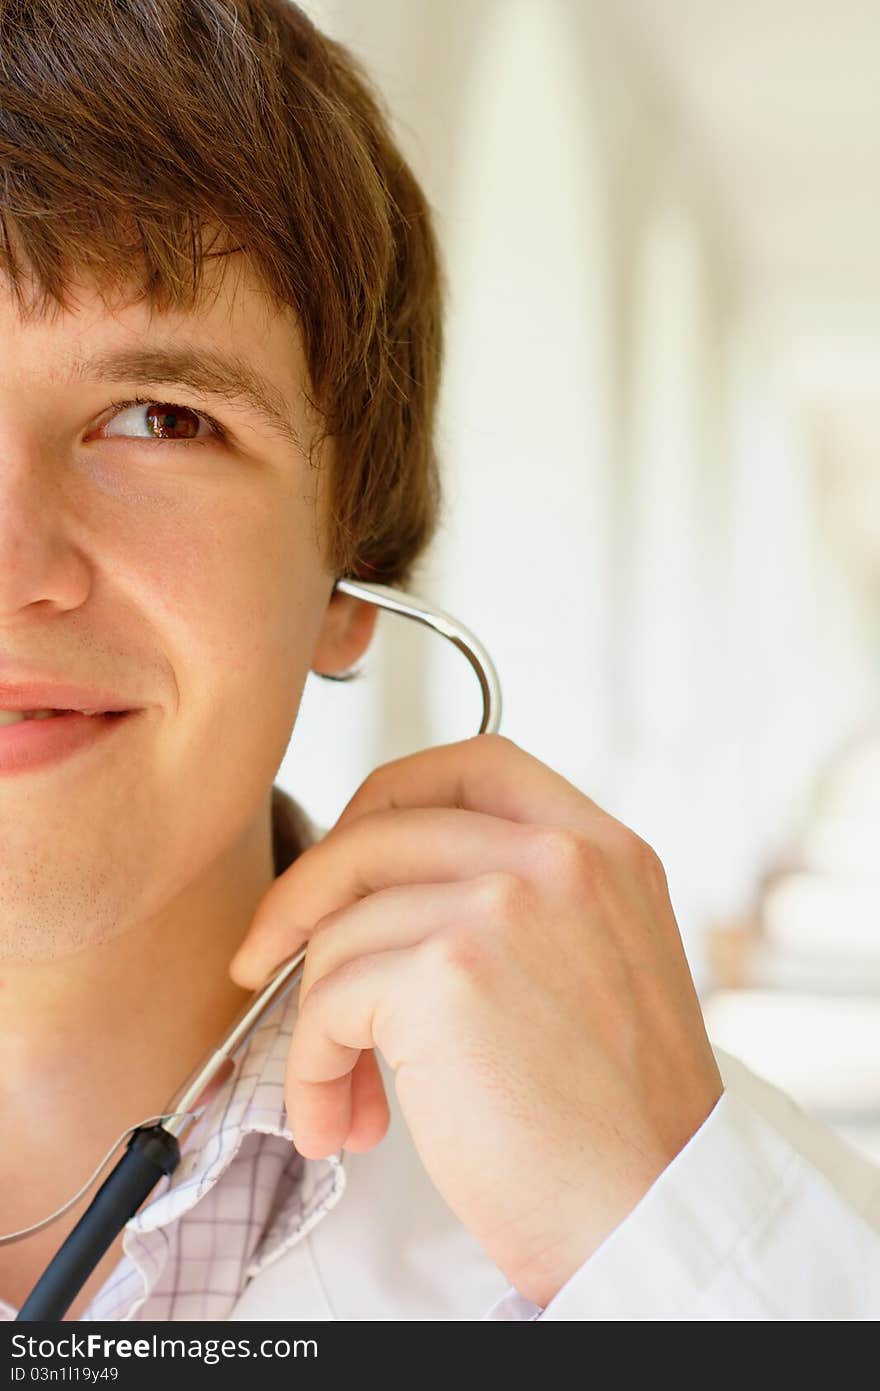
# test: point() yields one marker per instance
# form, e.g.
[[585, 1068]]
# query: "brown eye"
[[167, 421], [161, 420]]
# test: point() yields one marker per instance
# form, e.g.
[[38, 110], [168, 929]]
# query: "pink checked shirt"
[[764, 1214]]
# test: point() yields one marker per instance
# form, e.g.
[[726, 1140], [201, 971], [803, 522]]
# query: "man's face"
[[186, 576]]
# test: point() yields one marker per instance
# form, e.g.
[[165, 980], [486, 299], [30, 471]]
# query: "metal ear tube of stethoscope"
[[153, 1150], [185, 1106]]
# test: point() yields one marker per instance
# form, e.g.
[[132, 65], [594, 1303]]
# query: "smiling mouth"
[[12, 717]]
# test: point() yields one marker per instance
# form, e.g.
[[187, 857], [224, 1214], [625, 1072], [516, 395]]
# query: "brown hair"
[[129, 127]]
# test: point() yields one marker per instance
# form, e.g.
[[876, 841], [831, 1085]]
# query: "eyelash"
[[217, 428]]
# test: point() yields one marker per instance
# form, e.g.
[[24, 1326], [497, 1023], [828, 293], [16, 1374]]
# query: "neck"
[[93, 1043]]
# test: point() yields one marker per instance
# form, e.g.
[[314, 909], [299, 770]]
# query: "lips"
[[57, 695], [33, 745]]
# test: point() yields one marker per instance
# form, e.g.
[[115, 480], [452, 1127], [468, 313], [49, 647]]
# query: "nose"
[[39, 562]]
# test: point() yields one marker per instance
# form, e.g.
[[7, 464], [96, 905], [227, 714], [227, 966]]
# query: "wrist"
[[551, 1262]]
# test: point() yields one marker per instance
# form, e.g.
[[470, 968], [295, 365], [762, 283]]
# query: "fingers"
[[488, 773], [400, 916], [369, 1105], [418, 803], [419, 845], [394, 918], [340, 1018]]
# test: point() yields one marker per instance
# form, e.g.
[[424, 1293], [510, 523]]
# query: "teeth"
[[16, 716]]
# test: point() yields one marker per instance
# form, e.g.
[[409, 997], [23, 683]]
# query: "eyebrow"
[[202, 369]]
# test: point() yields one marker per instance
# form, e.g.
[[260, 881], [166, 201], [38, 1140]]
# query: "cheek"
[[223, 554], [233, 596], [236, 598]]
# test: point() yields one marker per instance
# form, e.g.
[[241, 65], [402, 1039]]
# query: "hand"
[[512, 950]]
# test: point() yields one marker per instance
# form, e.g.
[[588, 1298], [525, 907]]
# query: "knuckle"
[[567, 857], [498, 895], [311, 994], [642, 857], [490, 758], [456, 955], [320, 942], [377, 778], [654, 870], [370, 792], [493, 741], [491, 751], [323, 926], [325, 984]]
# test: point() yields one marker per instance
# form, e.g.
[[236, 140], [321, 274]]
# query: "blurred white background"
[[659, 434]]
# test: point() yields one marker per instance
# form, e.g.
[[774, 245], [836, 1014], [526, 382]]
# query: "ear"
[[346, 632]]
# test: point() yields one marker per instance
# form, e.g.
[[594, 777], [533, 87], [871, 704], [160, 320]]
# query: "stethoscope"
[[153, 1149]]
